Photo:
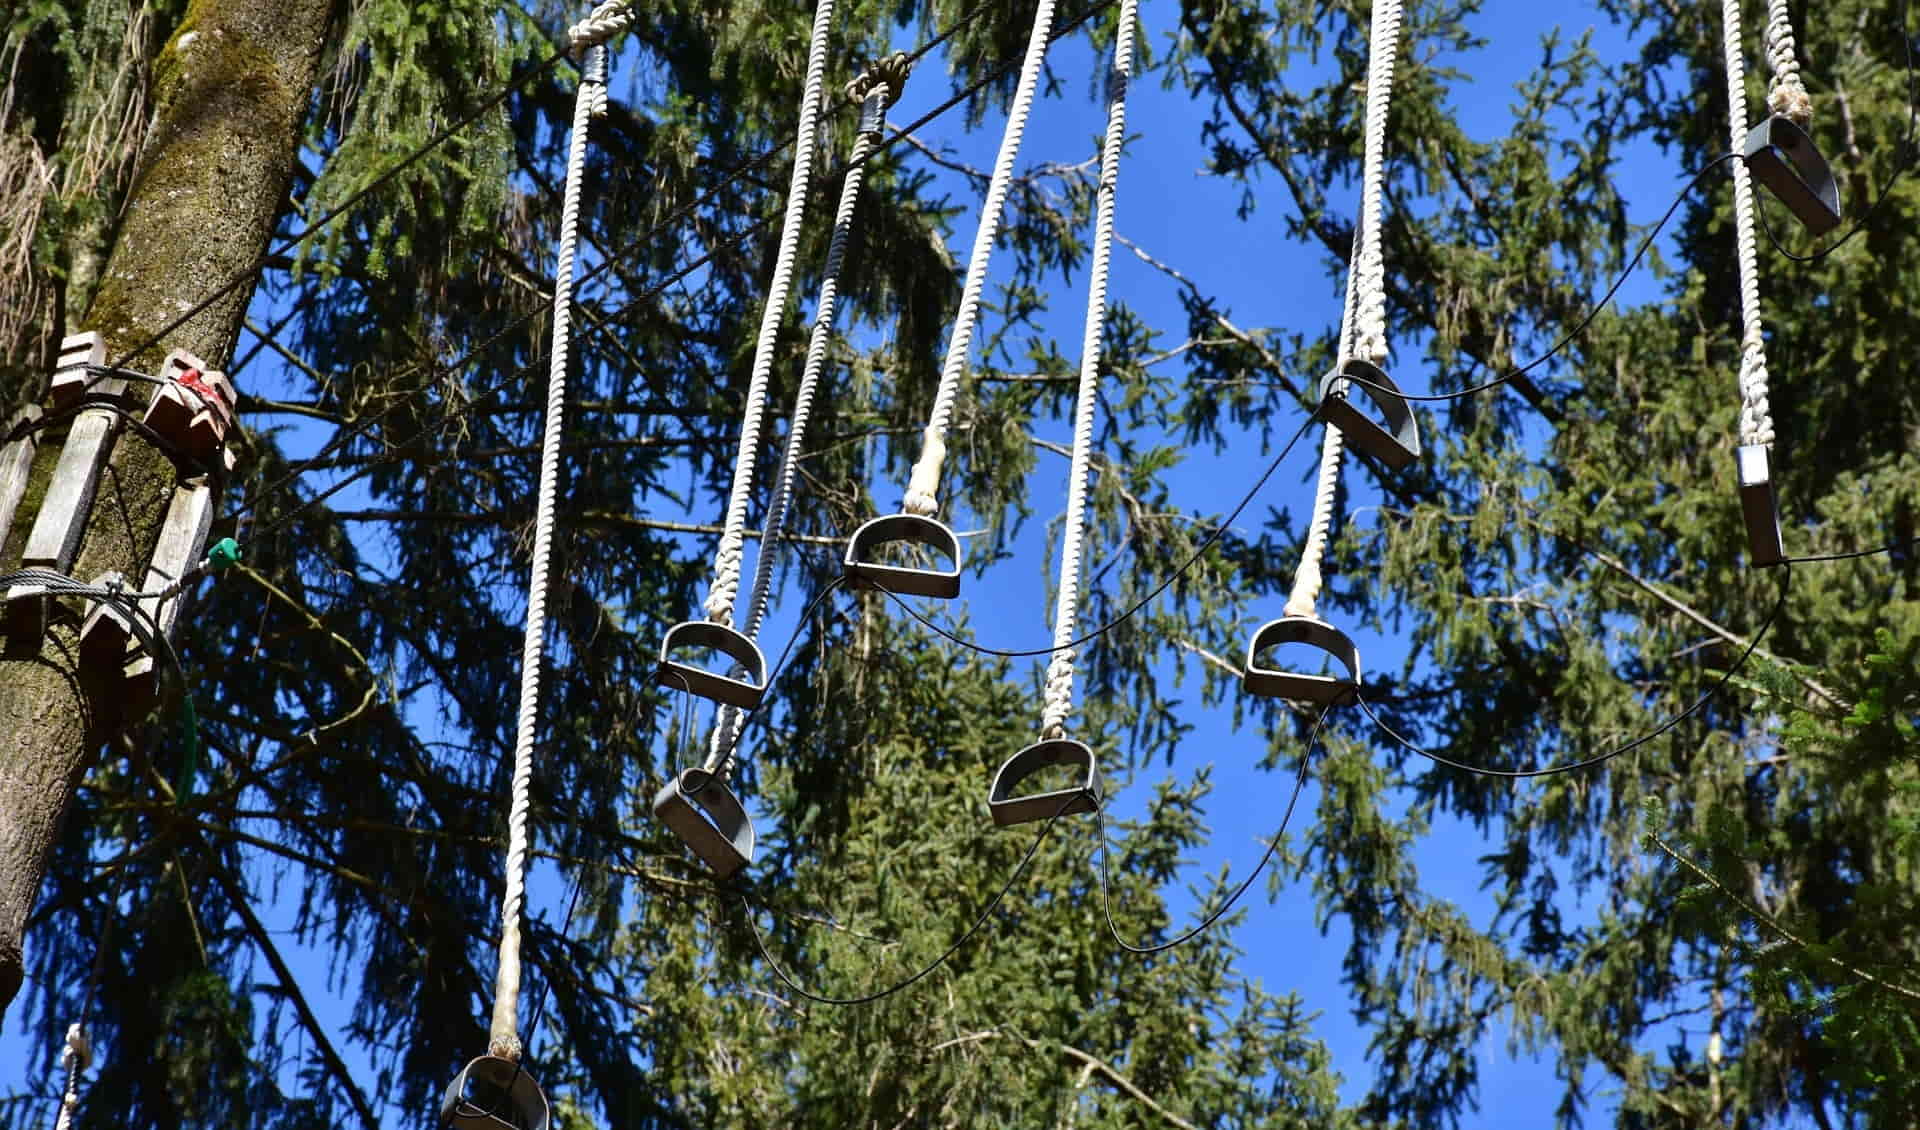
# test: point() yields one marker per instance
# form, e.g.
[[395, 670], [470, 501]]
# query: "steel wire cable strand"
[[503, 1038], [880, 90], [1213, 916], [1058, 701], [946, 955], [622, 255], [733, 535], [1601, 758], [923, 484]]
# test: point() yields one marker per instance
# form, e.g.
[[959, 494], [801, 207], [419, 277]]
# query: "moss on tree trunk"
[[230, 91]]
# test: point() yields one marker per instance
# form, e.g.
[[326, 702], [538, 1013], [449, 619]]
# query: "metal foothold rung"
[[1758, 505], [723, 838], [1009, 810], [864, 572], [744, 693], [1781, 156], [492, 1093], [1394, 446], [1328, 690]]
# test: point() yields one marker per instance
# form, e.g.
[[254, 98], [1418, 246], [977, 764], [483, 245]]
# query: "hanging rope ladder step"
[[697, 805], [1779, 151], [1363, 355], [917, 526], [1008, 806]]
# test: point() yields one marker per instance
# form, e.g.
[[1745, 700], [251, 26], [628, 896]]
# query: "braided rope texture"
[[1363, 329], [733, 534], [74, 1058], [1786, 95], [1756, 418], [923, 487], [1058, 702], [875, 98], [503, 1037], [602, 24]]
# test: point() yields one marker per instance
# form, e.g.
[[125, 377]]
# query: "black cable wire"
[[966, 935], [1786, 578], [1206, 543], [306, 233], [1849, 555], [1906, 145], [1579, 327], [1206, 923]]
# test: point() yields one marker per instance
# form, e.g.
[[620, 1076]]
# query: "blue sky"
[[1184, 218]]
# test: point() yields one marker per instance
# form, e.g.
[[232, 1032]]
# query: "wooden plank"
[[183, 540], [16, 466], [63, 514], [105, 632], [70, 376], [172, 407], [26, 616]]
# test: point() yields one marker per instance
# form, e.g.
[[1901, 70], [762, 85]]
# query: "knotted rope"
[[877, 88], [74, 1059], [1756, 419], [1786, 94], [504, 1035], [1363, 320], [1058, 701], [923, 487], [733, 534]]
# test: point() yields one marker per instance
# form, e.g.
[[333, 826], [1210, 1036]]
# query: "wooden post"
[[70, 376], [63, 513]]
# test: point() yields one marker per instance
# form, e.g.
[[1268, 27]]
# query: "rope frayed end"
[[1789, 99], [889, 73], [505, 1047]]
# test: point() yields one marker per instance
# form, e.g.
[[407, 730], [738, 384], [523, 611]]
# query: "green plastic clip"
[[225, 552]]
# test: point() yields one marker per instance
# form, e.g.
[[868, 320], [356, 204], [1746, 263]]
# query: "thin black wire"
[[306, 233], [1106, 902], [1906, 144], [1598, 759], [1206, 543], [1579, 327], [966, 935], [1849, 555], [624, 254]]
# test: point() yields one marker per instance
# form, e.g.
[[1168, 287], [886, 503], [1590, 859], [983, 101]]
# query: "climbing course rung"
[[105, 632], [1758, 505], [70, 375], [194, 409], [1271, 682], [55, 537], [723, 837], [183, 538], [492, 1093], [863, 570], [742, 687], [1394, 446], [16, 464], [1782, 157], [1084, 796]]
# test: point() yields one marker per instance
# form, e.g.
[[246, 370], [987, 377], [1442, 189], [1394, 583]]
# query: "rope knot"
[[78, 1053], [603, 23], [890, 72]]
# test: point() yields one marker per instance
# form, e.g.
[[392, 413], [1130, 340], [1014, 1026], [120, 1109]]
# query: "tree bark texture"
[[231, 89]]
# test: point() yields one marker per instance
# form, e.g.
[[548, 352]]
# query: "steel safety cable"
[[1059, 688], [733, 533], [1756, 419], [874, 91], [923, 486], [503, 1038]]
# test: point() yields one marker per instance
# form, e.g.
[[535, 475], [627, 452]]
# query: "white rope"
[[504, 1036], [733, 534], [74, 1059], [1363, 323], [602, 24], [1059, 693], [923, 487], [1756, 420], [1786, 95], [877, 93]]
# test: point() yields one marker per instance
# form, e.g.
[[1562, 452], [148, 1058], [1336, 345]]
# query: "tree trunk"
[[231, 89]]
